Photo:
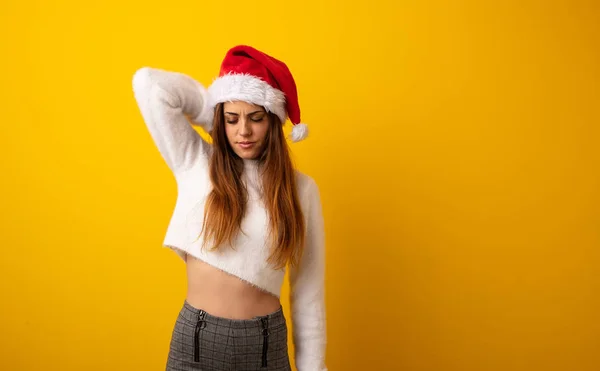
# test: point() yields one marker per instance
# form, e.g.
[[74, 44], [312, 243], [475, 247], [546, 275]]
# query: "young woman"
[[243, 215]]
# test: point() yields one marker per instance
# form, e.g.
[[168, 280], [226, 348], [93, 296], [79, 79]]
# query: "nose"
[[245, 128]]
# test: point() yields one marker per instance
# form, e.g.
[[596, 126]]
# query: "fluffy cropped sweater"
[[170, 103]]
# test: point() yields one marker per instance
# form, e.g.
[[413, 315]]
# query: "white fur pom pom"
[[299, 132]]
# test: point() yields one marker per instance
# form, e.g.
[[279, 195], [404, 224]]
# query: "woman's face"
[[246, 126]]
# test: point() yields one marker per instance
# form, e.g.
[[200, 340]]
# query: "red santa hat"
[[252, 76]]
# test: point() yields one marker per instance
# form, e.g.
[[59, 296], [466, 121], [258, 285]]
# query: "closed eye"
[[233, 118]]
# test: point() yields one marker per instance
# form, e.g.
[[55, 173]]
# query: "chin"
[[250, 155]]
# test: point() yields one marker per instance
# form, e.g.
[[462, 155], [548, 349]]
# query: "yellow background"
[[455, 145]]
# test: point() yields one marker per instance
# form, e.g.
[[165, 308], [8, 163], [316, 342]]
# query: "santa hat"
[[252, 76]]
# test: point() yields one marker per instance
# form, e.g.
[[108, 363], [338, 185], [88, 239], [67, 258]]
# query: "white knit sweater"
[[166, 100]]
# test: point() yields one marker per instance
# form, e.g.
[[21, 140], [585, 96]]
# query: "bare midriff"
[[224, 295]]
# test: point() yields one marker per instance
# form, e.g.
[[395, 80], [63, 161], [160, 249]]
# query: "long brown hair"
[[226, 203]]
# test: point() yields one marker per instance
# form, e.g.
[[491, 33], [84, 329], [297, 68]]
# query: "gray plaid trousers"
[[201, 341]]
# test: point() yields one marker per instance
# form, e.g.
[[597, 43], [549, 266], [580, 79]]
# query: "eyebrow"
[[250, 114]]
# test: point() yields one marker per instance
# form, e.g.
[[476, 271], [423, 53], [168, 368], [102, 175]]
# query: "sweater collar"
[[250, 164]]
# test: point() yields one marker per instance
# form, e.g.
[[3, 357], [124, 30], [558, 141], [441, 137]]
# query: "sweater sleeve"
[[166, 100], [307, 292]]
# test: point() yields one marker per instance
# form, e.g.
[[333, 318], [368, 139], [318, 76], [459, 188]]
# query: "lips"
[[246, 144]]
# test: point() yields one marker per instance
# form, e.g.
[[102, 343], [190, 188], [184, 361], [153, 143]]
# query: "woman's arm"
[[307, 292], [166, 100]]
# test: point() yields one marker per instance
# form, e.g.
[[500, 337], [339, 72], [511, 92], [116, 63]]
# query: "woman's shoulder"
[[305, 184]]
